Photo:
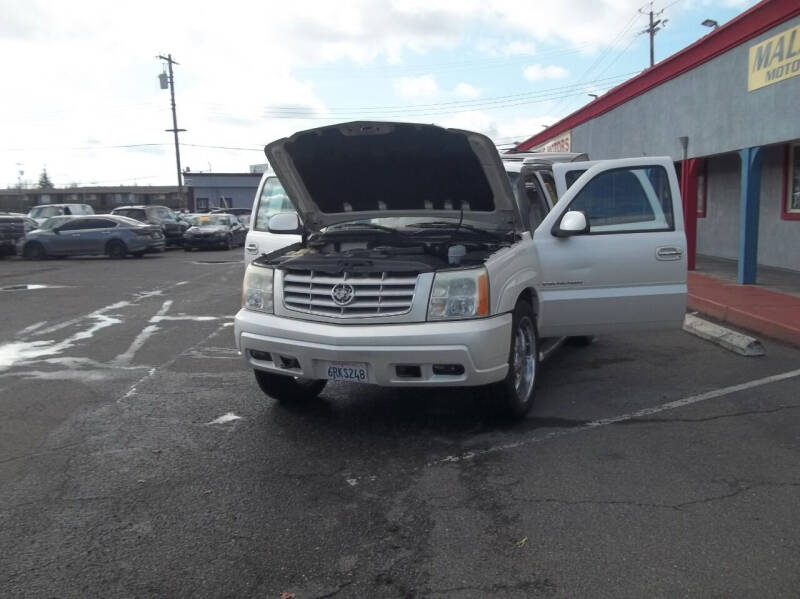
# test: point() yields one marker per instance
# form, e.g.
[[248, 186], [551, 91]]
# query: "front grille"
[[373, 294]]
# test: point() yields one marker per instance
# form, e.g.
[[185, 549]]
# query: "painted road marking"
[[126, 357], [679, 403]]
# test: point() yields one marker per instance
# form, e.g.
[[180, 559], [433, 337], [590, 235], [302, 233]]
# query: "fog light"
[[448, 369], [290, 363], [408, 372], [260, 355]]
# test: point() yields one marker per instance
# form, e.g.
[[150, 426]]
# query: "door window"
[[626, 200], [571, 176], [272, 201], [99, 223], [77, 224], [537, 204]]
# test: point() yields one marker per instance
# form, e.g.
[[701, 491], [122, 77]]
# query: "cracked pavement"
[[115, 480]]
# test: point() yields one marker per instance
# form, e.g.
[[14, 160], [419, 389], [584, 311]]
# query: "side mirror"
[[574, 222], [284, 223]]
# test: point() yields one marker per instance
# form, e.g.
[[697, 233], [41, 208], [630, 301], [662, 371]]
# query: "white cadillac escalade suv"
[[423, 263]]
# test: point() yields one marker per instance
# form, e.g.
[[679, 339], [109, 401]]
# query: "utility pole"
[[171, 80], [654, 27]]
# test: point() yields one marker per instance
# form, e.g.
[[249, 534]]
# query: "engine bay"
[[353, 251]]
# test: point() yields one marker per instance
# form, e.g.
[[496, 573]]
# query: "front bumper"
[[480, 346], [203, 242]]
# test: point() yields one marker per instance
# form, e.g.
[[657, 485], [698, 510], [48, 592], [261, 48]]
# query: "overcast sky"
[[80, 77]]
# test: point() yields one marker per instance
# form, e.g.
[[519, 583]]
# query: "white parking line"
[[678, 403], [126, 357]]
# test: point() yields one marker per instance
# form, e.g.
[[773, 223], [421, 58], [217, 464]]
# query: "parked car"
[[43, 212], [420, 267], [236, 211], [112, 235], [13, 228], [219, 230], [243, 214], [172, 226]]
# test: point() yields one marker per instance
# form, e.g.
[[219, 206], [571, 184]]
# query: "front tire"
[[34, 250], [288, 389], [517, 390]]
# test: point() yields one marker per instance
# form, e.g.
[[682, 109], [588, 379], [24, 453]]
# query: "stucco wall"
[[241, 197], [778, 239], [710, 104], [718, 232]]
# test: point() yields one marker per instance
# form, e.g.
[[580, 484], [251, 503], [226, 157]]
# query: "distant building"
[[221, 190], [102, 199]]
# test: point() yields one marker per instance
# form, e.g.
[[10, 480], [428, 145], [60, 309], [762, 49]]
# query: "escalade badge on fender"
[[342, 294]]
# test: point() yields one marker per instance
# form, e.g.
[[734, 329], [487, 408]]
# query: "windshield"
[[273, 200], [54, 222], [46, 211], [209, 220]]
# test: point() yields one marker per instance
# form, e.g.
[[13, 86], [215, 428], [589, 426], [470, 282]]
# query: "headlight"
[[459, 294], [257, 289]]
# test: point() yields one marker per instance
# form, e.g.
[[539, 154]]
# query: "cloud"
[[500, 129], [248, 70], [537, 72], [423, 87], [467, 91]]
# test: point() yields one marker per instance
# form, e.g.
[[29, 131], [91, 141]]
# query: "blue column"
[[752, 158]]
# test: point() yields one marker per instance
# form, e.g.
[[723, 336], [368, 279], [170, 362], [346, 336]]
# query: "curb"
[[746, 320], [738, 343]]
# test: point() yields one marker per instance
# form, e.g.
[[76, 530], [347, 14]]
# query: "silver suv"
[[419, 266]]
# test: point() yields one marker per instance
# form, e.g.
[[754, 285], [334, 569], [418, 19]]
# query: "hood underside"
[[364, 170]]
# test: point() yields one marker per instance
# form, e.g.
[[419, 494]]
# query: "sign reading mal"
[[775, 59]]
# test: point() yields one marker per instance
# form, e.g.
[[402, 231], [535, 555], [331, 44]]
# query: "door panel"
[[629, 271]]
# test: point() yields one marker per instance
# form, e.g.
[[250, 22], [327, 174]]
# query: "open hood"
[[363, 170]]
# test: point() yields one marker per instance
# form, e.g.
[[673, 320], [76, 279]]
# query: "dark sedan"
[[114, 236], [213, 230], [172, 226]]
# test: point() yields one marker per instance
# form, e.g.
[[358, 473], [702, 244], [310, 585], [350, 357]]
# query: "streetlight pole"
[[168, 59]]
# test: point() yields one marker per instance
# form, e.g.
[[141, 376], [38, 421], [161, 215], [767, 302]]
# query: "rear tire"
[[288, 389], [116, 249], [517, 391], [138, 254], [34, 250]]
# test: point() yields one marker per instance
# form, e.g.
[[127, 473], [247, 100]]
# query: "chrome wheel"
[[523, 361]]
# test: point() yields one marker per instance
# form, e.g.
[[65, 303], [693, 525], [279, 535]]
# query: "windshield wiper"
[[447, 226], [343, 227]]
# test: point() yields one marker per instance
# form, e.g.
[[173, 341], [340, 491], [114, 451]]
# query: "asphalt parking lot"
[[139, 459]]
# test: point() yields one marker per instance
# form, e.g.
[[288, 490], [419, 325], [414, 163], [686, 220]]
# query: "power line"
[[654, 27]]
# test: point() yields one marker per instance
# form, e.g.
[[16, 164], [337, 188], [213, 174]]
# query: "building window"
[[202, 204], [702, 190], [791, 189], [225, 202]]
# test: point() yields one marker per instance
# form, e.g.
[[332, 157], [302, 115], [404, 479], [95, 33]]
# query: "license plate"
[[342, 371]]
